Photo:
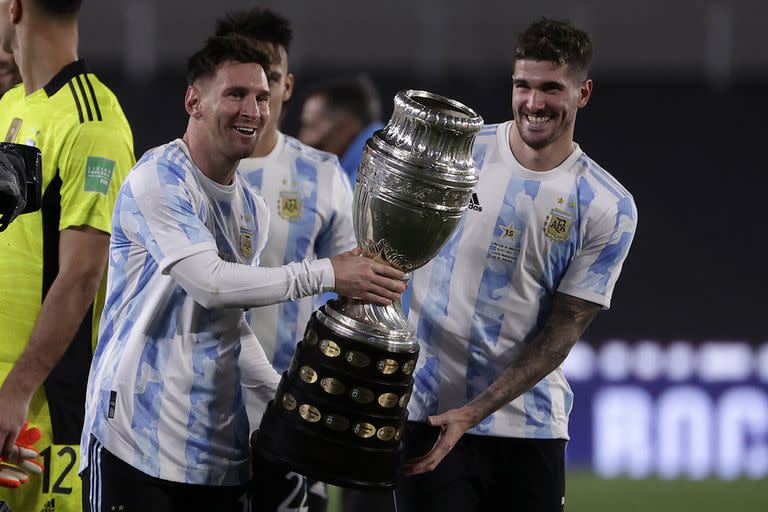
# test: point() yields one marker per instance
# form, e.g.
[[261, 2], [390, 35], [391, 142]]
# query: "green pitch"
[[587, 493]]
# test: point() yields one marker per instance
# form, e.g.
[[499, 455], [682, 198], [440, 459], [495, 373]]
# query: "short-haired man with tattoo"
[[497, 311]]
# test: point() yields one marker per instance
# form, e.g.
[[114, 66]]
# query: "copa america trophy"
[[340, 409]]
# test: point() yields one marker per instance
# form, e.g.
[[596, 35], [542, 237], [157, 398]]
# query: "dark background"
[[677, 115]]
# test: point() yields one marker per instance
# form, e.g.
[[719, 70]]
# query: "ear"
[[192, 102], [288, 92], [585, 92], [15, 11]]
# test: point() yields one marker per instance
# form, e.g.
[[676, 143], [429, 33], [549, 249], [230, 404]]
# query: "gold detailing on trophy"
[[289, 403], [386, 433], [308, 375], [309, 413], [388, 400], [404, 400], [330, 348], [364, 430], [362, 395], [311, 337], [333, 386], [408, 366], [387, 366], [398, 435], [357, 359], [336, 422]]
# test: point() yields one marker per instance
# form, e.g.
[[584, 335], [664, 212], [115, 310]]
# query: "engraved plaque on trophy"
[[340, 410]]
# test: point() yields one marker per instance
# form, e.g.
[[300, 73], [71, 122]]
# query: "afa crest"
[[246, 243], [558, 225], [289, 205]]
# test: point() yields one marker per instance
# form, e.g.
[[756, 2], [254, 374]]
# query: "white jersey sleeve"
[[215, 283], [594, 270]]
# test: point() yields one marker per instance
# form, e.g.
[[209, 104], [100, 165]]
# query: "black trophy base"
[[284, 442]]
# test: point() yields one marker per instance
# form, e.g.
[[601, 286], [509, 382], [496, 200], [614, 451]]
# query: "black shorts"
[[481, 472], [274, 488], [109, 484]]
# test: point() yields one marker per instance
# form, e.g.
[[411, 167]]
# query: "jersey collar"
[[66, 74]]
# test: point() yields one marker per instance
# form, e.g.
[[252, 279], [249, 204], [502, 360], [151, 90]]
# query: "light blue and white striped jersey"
[[486, 295], [310, 201], [164, 392]]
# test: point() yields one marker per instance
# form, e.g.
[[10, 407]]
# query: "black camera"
[[21, 181]]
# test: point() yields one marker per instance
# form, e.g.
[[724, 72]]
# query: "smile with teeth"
[[245, 130], [537, 119]]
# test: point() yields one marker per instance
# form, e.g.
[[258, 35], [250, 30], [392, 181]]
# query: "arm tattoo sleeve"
[[568, 319]]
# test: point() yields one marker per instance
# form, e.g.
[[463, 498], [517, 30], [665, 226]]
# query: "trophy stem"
[[384, 327]]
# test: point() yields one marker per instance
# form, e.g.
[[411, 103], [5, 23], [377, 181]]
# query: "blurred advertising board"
[[672, 410]]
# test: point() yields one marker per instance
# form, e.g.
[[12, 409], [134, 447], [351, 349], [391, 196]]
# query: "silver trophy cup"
[[339, 412]]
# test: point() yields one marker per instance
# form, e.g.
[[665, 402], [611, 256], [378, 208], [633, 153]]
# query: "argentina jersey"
[[310, 202], [486, 295], [164, 392]]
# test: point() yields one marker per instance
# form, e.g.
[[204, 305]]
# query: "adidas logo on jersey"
[[50, 506], [474, 203]]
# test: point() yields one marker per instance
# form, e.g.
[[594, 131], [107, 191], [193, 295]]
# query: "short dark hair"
[[260, 25], [59, 8], [219, 49], [356, 96], [556, 41]]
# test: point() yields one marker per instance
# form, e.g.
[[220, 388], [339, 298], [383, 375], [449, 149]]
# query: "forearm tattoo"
[[568, 319]]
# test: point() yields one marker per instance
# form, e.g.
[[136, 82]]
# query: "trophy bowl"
[[339, 412]]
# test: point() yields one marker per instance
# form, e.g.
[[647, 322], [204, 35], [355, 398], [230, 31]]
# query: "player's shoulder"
[[317, 157], [79, 98], [169, 162], [603, 180], [251, 194], [486, 141], [487, 132], [607, 190]]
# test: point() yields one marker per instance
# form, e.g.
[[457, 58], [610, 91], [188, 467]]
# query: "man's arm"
[[82, 258], [568, 319]]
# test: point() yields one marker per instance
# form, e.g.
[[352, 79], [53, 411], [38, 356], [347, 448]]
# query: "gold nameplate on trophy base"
[[308, 374], [388, 400], [330, 348], [386, 433], [309, 413], [387, 366], [364, 430], [289, 403]]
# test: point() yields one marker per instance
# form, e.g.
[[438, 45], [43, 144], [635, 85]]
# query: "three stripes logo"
[[50, 506], [474, 203], [83, 100]]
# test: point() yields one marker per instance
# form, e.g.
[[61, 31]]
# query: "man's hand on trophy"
[[360, 277]]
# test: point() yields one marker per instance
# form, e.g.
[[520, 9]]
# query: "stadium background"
[[671, 406]]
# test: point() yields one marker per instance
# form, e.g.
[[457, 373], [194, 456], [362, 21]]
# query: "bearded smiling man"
[[498, 310]]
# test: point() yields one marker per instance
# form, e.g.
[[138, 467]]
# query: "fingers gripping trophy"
[[340, 409]]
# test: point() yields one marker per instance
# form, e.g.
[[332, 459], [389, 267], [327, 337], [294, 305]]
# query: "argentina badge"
[[246, 243]]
